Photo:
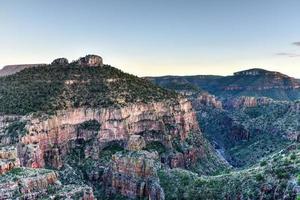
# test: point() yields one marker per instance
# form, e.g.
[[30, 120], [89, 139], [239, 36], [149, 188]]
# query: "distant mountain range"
[[253, 82], [239, 113]]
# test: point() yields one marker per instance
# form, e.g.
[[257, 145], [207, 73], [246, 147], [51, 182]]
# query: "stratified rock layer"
[[134, 175], [156, 122]]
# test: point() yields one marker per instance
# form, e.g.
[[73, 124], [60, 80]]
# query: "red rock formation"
[[33, 184], [134, 175], [135, 143], [30, 187], [90, 60], [246, 102], [207, 100], [8, 159], [116, 124]]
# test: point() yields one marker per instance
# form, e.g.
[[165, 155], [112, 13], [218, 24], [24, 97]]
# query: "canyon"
[[86, 130], [127, 143]]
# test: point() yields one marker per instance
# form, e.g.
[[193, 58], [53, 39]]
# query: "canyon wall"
[[155, 122]]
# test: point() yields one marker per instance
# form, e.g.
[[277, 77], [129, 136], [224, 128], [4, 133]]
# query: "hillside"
[[275, 177], [57, 87]]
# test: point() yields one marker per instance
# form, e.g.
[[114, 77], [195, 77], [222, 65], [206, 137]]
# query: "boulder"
[[135, 143], [90, 60], [60, 61]]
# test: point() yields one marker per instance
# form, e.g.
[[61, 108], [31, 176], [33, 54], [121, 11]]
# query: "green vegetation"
[[52, 88], [264, 126], [155, 146], [91, 125], [21, 173], [248, 183], [246, 153], [263, 163], [106, 153], [16, 129]]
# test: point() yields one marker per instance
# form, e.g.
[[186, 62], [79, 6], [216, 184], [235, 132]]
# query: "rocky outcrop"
[[7, 123], [74, 192], [185, 159], [90, 60], [156, 122], [135, 143], [206, 99], [60, 61], [246, 102], [8, 159], [134, 175], [25, 183], [28, 183]]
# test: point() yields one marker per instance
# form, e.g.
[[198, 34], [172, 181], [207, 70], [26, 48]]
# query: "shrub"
[[259, 177], [293, 156], [263, 163], [156, 146], [16, 128], [91, 125], [282, 174]]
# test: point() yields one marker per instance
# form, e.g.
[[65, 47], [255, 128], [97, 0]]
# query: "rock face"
[[207, 99], [134, 175], [246, 102], [12, 69], [30, 187], [135, 143], [25, 183], [90, 60], [156, 122], [5, 122], [60, 61], [8, 159]]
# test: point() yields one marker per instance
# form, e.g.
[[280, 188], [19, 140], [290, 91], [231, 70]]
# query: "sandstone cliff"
[[46, 136]]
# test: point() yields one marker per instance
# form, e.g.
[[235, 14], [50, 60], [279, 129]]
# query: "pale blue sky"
[[155, 37]]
